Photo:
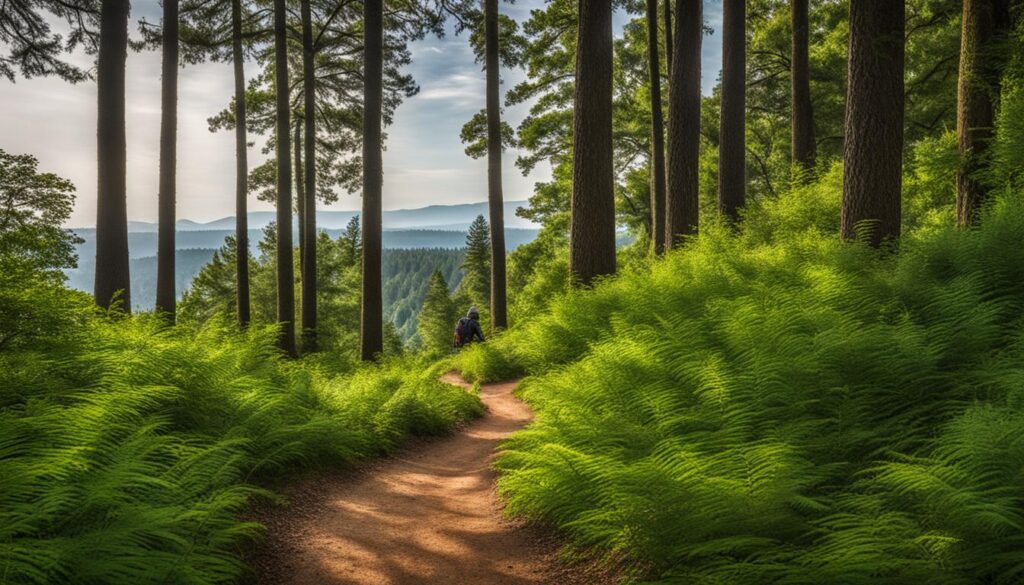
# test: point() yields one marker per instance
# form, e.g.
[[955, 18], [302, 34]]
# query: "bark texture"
[[975, 110], [166, 296], [309, 284], [681, 207], [112, 273], [657, 131], [804, 148], [285, 268], [495, 198], [732, 143], [372, 318], [668, 34], [300, 195], [241, 170], [872, 177], [592, 241]]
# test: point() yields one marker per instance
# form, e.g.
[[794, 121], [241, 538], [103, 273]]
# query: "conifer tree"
[[437, 317], [657, 131], [352, 242], [212, 291], [732, 168], [496, 206], [225, 30], [309, 273], [872, 174], [681, 207], [592, 232], [372, 313], [495, 41], [34, 49], [804, 149], [112, 267], [975, 104], [242, 295], [285, 269], [299, 177], [166, 294], [476, 282], [668, 34]]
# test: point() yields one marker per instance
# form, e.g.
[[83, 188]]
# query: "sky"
[[424, 161]]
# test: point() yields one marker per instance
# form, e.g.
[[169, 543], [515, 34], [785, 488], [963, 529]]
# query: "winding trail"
[[428, 515]]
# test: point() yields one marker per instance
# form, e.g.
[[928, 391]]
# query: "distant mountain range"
[[433, 217], [437, 226]]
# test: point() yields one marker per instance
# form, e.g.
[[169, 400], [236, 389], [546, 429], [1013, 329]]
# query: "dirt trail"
[[428, 515]]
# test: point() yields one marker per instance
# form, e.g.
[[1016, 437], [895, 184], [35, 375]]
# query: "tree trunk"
[[657, 132], [732, 142], [112, 272], [975, 105], [1007, 14], [592, 241], [241, 170], [309, 284], [668, 34], [285, 269], [166, 295], [681, 206], [804, 148], [499, 316], [372, 328], [873, 155], [300, 197]]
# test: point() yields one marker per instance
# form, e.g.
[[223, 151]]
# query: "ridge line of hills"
[[456, 217]]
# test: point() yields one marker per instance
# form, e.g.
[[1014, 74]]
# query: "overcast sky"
[[424, 162]]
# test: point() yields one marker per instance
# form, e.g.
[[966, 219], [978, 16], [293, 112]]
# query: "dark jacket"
[[474, 330]]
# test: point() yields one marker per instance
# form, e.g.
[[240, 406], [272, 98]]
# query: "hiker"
[[468, 328]]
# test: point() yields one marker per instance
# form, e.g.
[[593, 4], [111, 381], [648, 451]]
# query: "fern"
[[129, 453], [778, 407]]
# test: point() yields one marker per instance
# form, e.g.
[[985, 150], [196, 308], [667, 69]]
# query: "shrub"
[[128, 450], [779, 407]]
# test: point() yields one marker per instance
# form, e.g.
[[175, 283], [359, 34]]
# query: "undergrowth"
[[128, 451], [779, 407]]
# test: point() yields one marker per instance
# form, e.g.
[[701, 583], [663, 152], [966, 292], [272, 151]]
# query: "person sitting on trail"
[[468, 328]]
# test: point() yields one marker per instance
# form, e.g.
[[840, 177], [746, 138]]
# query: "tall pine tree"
[[285, 268], [166, 294], [804, 148], [681, 207], [112, 273], [657, 131], [592, 235], [496, 206], [732, 168], [476, 282], [309, 276], [372, 318], [436, 321], [975, 104], [244, 310], [872, 174]]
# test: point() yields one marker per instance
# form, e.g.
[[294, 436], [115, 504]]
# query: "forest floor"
[[430, 514]]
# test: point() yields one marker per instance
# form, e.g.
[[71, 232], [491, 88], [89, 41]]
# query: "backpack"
[[462, 332]]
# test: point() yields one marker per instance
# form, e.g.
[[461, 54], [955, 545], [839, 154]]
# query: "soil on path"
[[428, 515]]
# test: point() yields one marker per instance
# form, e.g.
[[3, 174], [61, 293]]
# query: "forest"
[[771, 330]]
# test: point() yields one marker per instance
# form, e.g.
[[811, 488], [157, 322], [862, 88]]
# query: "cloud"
[[464, 91], [427, 49], [424, 160]]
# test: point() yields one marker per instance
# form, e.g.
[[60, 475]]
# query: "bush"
[[485, 362], [128, 450], [779, 407]]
